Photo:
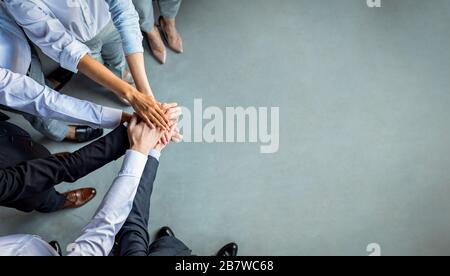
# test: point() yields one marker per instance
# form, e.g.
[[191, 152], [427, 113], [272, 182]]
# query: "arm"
[[126, 20], [146, 106], [137, 69], [98, 236], [24, 94], [48, 33], [29, 178]]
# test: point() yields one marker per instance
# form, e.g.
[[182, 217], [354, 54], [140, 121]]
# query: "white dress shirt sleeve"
[[25, 245], [24, 94], [47, 32], [98, 236]]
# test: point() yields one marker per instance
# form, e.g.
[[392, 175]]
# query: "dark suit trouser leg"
[[46, 202], [169, 246], [16, 146], [35, 179], [133, 239]]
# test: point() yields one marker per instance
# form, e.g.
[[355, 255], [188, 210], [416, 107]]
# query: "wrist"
[[129, 93], [159, 148], [140, 149], [145, 90], [126, 117]]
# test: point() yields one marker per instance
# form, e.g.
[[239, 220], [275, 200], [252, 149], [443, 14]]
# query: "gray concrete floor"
[[365, 148]]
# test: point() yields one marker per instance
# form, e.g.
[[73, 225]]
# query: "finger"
[[154, 121], [133, 122], [170, 106], [172, 123], [177, 138], [147, 128], [148, 121], [161, 113], [172, 129], [166, 137], [155, 112], [160, 135], [175, 114], [160, 120], [162, 140], [174, 110]]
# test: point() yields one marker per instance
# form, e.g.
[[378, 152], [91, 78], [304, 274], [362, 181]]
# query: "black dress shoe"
[[165, 232], [55, 245], [61, 76], [85, 134], [229, 250], [3, 117]]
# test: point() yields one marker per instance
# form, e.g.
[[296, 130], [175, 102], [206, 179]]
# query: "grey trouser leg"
[[52, 129], [106, 47], [167, 8], [146, 14]]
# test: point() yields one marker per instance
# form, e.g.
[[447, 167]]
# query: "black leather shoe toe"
[[85, 134], [3, 117], [55, 245], [165, 232], [229, 250]]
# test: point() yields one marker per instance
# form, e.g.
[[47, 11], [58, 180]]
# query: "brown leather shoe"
[[78, 198], [62, 154]]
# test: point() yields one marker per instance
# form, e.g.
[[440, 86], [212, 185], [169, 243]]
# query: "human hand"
[[126, 117], [142, 138], [174, 136], [173, 113], [150, 111]]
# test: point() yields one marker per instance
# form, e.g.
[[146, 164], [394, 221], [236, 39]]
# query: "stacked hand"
[[173, 113], [150, 111], [142, 138]]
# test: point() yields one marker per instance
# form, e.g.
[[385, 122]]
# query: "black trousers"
[[3, 117], [133, 239], [28, 172]]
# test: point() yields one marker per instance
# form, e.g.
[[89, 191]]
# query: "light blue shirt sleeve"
[[126, 20], [23, 93], [47, 32]]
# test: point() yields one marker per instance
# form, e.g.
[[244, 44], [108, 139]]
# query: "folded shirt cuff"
[[133, 43], [111, 117], [133, 164], [72, 54], [155, 154]]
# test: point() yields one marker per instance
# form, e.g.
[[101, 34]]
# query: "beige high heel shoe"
[[157, 47], [174, 42]]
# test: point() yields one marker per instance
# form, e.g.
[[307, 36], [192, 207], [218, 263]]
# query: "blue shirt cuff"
[[72, 54]]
